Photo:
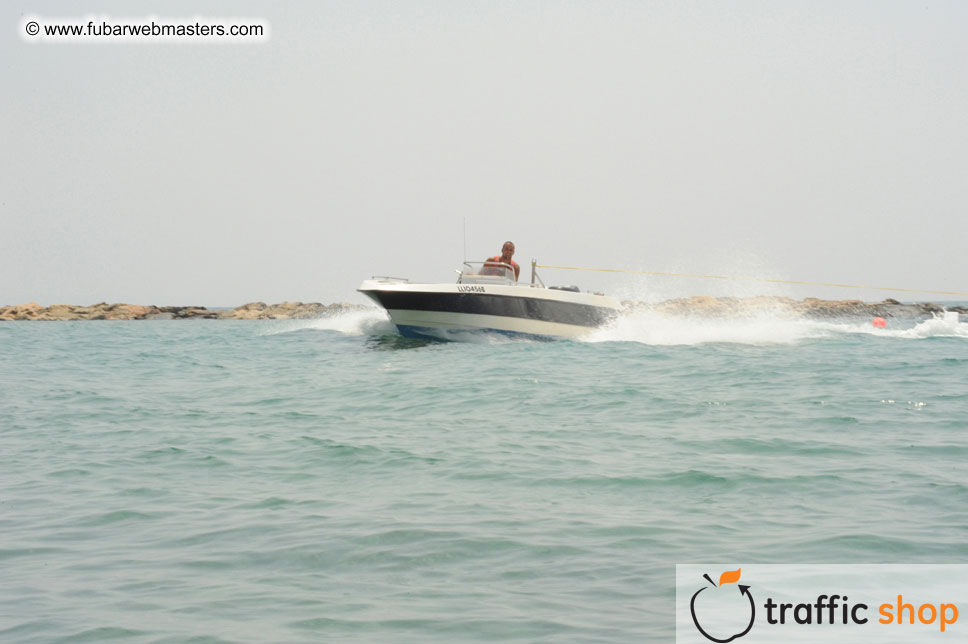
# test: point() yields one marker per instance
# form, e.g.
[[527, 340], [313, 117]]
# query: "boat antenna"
[[465, 239]]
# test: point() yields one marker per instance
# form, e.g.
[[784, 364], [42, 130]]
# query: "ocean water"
[[328, 481]]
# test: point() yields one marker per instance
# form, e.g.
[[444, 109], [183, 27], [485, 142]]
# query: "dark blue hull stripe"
[[422, 332], [528, 308]]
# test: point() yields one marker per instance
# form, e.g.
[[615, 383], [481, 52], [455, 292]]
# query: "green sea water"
[[328, 481]]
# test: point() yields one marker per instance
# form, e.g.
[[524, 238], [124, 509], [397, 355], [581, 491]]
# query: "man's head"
[[507, 251]]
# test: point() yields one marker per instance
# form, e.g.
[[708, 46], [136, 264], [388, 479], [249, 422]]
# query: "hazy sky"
[[821, 141]]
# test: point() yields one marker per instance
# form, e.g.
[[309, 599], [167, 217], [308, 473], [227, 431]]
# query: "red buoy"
[[880, 322]]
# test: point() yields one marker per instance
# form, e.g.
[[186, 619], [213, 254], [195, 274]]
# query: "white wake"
[[649, 327]]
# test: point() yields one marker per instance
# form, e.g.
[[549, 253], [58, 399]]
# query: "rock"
[[29, 311], [194, 312], [62, 312], [727, 306], [285, 311], [129, 312], [119, 311]]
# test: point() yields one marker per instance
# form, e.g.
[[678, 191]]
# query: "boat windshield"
[[486, 273]]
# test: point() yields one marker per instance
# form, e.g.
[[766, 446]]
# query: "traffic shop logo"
[[723, 612]]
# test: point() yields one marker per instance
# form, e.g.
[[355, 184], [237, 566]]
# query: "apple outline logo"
[[744, 590]]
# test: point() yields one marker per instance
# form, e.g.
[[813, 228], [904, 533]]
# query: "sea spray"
[[649, 327], [369, 321], [777, 327]]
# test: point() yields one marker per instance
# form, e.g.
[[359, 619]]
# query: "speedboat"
[[488, 299]]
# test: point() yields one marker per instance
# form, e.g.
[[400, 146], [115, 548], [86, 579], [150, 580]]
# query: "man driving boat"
[[493, 264]]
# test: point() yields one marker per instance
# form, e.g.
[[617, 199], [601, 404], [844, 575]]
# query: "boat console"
[[486, 273]]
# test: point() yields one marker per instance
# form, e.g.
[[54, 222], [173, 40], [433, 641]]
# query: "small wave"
[[115, 517], [104, 633], [479, 337], [367, 454], [10, 553], [363, 322]]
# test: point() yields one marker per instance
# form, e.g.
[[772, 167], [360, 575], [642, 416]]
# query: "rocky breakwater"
[[105, 311], [707, 306]]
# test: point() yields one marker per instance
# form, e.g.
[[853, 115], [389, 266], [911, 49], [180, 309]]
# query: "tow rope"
[[749, 279]]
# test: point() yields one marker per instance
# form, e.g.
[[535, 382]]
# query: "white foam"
[[650, 327], [946, 325], [371, 321]]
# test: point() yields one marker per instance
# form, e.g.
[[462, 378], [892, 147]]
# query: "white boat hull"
[[449, 311]]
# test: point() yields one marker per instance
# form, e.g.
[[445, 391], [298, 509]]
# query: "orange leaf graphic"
[[729, 577]]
